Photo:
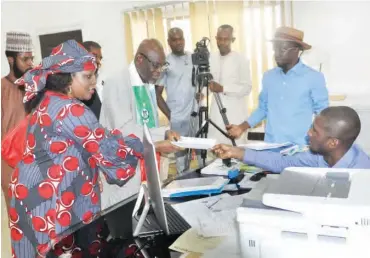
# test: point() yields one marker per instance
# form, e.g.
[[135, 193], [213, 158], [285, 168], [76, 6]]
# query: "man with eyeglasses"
[[129, 102], [133, 100], [231, 80], [291, 93]]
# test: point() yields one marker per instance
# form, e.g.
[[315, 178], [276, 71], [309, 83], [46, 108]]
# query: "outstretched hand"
[[225, 151], [166, 146], [172, 136]]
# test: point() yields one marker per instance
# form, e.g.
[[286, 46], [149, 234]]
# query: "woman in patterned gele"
[[54, 188]]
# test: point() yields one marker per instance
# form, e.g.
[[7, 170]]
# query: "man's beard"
[[17, 72]]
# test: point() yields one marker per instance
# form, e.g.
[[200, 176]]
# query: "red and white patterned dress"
[[55, 189]]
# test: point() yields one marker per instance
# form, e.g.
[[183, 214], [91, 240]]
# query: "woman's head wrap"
[[68, 57]]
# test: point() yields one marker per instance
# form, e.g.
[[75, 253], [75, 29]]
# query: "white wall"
[[339, 34], [45, 17], [100, 21]]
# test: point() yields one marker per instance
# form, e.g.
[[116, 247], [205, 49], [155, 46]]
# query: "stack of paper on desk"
[[195, 186]]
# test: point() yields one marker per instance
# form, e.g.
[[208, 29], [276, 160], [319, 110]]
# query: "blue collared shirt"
[[288, 102], [355, 157]]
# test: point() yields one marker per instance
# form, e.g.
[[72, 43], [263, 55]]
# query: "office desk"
[[166, 241], [119, 217]]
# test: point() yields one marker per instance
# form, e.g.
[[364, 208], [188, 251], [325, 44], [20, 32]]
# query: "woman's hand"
[[166, 147], [224, 151], [172, 136]]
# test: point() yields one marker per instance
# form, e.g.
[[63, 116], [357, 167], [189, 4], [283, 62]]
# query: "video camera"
[[201, 72], [200, 56]]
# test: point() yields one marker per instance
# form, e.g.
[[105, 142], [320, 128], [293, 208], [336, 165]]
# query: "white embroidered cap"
[[18, 42]]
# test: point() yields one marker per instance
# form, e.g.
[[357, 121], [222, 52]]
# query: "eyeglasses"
[[156, 66]]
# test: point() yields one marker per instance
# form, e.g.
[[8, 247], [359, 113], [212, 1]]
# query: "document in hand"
[[195, 186], [261, 145], [195, 143]]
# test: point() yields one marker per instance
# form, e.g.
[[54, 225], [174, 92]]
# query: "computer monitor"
[[153, 181]]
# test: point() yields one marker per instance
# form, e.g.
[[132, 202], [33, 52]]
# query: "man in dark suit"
[[95, 103]]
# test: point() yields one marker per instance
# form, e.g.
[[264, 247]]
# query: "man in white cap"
[[18, 51]]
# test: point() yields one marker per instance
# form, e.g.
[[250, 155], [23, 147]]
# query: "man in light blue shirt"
[[291, 93], [177, 80], [331, 138]]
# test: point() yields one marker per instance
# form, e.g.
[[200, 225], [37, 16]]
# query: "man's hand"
[[224, 151], [166, 146], [172, 136], [215, 87], [235, 131], [199, 96]]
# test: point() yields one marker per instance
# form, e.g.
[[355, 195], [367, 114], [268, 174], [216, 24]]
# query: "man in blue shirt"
[[291, 93], [331, 139]]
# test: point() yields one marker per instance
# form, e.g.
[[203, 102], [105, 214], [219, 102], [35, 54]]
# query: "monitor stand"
[[142, 196]]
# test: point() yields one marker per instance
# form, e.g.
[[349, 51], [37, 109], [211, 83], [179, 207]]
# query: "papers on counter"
[[222, 223], [195, 143], [191, 242], [214, 228]]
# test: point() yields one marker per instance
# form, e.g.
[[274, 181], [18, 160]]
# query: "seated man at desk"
[[331, 141]]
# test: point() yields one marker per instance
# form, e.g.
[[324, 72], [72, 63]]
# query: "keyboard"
[[176, 223]]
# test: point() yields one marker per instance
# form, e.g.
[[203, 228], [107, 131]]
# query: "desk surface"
[[119, 216]]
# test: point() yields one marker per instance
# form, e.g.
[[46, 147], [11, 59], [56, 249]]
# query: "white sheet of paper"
[[202, 206], [261, 145], [195, 143], [227, 203], [219, 224]]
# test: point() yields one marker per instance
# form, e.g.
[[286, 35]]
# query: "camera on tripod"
[[201, 54], [201, 77], [200, 58]]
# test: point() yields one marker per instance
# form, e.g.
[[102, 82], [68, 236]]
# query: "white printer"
[[309, 212]]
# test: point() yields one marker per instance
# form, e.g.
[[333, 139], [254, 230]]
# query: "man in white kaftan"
[[232, 82]]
